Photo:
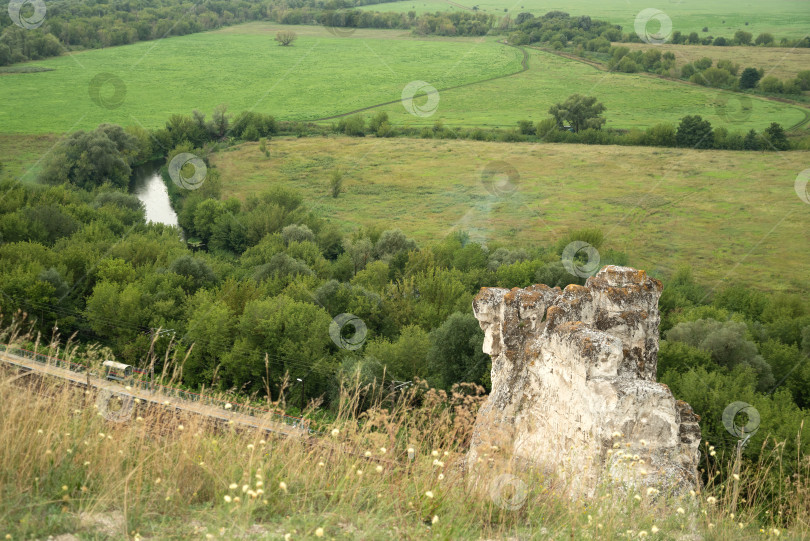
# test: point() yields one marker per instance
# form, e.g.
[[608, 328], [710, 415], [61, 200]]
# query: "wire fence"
[[166, 391]]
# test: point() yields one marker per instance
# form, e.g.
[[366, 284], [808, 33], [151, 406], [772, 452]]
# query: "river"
[[147, 185]]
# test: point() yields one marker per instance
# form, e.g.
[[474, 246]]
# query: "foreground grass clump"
[[388, 466]]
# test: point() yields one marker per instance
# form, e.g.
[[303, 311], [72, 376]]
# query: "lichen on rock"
[[573, 375]]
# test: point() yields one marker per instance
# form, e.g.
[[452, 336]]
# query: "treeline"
[[692, 132], [70, 25], [559, 30], [724, 74]]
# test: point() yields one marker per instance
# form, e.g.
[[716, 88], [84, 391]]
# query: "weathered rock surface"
[[573, 374]]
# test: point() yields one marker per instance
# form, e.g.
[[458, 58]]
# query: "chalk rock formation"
[[573, 375]]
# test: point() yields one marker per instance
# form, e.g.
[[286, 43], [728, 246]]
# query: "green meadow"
[[322, 76], [632, 100], [782, 18]]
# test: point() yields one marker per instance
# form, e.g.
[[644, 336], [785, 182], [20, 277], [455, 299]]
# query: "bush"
[[353, 125], [771, 85], [662, 135], [627, 65]]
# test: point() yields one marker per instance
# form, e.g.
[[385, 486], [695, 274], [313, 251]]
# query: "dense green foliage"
[[558, 28]]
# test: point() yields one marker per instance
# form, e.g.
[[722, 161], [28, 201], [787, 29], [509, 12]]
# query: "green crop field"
[[321, 75], [782, 18], [632, 100], [243, 67], [732, 216]]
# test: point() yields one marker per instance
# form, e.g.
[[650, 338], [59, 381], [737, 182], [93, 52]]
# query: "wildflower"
[[644, 442], [259, 483], [713, 453], [654, 529], [86, 462], [741, 525], [101, 434], [228, 499], [411, 453], [202, 464], [736, 476], [367, 454], [283, 486], [434, 452], [335, 432], [250, 446], [439, 463], [617, 434], [233, 486], [139, 419], [157, 481], [441, 476], [435, 519], [359, 473], [711, 500], [652, 491], [64, 488], [379, 469], [383, 450], [642, 533], [776, 532], [181, 427], [319, 532], [637, 497], [245, 488], [262, 442], [237, 499], [287, 537], [711, 525], [128, 388], [680, 511], [228, 406], [40, 431], [320, 464], [429, 494]]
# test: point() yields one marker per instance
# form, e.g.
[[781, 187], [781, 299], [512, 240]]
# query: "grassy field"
[[730, 215], [23, 156], [782, 18], [322, 75], [777, 61], [632, 100]]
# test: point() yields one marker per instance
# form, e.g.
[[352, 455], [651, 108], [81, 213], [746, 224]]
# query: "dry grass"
[[780, 62], [731, 216], [64, 469]]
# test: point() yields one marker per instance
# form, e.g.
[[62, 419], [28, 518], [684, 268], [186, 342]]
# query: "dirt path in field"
[[804, 108], [524, 66]]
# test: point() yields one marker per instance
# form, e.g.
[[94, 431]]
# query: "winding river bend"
[[147, 185]]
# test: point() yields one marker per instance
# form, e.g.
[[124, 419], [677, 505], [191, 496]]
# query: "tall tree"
[[581, 112], [694, 132]]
